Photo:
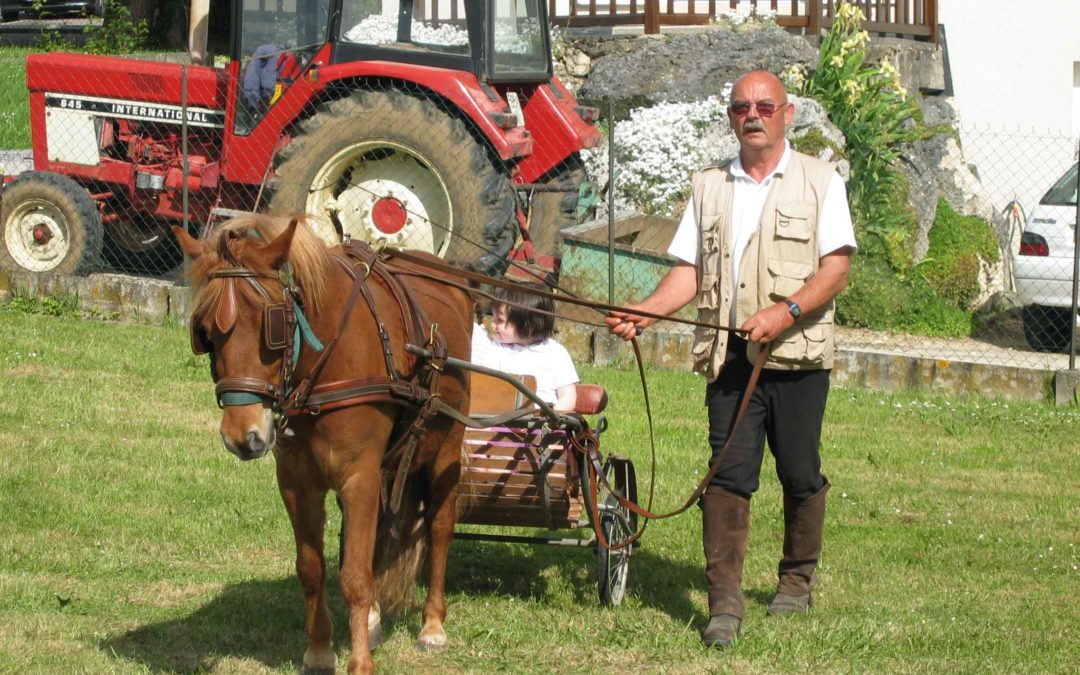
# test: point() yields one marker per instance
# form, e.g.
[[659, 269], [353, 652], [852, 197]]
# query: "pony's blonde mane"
[[308, 258]]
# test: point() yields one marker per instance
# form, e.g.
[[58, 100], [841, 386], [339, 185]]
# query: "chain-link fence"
[[408, 129], [386, 132], [1021, 184]]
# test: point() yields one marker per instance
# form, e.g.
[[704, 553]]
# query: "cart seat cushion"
[[591, 399]]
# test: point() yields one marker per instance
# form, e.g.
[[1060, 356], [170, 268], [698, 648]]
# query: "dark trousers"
[[786, 409]]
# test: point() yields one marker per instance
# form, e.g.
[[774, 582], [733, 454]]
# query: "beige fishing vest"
[[786, 242]]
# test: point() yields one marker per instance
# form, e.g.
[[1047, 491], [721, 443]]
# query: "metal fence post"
[[611, 205], [184, 143], [1076, 271]]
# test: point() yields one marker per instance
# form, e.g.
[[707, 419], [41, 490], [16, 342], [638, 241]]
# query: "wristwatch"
[[794, 309]]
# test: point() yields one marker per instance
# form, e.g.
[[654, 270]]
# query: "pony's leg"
[[360, 500], [443, 474], [306, 505]]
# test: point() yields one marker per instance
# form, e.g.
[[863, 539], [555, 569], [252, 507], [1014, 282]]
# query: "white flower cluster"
[[745, 17], [656, 150]]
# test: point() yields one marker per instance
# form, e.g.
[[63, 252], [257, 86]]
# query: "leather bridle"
[[284, 328]]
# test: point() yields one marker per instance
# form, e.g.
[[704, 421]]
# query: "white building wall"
[[1016, 80]]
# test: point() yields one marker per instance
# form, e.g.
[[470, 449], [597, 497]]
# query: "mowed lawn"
[[130, 541]]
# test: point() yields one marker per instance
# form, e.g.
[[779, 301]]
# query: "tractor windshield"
[[519, 45], [277, 40]]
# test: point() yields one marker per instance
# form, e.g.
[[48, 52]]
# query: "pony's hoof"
[[374, 637], [304, 670], [432, 643]]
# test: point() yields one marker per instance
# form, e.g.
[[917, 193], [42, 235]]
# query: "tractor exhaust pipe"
[[197, 31]]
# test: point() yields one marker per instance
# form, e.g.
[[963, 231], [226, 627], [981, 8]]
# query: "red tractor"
[[430, 124]]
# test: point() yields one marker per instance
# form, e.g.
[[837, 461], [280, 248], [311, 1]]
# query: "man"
[[764, 245]]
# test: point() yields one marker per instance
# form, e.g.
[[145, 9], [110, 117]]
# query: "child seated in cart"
[[523, 345]]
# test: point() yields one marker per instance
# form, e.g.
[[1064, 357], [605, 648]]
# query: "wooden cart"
[[527, 472]]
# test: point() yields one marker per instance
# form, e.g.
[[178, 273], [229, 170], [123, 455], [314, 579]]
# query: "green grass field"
[[131, 542], [14, 100]]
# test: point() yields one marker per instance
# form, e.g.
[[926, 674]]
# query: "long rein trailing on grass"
[[587, 442]]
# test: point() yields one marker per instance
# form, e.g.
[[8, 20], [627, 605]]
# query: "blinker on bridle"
[[281, 321]]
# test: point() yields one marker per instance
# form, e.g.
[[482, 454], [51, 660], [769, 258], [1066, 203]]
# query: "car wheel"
[[9, 15], [1048, 329]]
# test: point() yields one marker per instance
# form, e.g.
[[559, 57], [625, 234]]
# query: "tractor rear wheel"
[[554, 211], [49, 224], [387, 165]]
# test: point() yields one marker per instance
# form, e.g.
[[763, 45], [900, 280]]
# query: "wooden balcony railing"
[[915, 19]]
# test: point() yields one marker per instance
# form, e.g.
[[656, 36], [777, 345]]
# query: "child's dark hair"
[[525, 311]]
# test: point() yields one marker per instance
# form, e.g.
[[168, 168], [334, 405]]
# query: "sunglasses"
[[764, 108]]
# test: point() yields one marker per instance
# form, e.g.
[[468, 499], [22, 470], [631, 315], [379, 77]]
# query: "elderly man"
[[764, 245]]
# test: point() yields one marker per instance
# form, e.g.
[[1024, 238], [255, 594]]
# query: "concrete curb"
[[155, 300]]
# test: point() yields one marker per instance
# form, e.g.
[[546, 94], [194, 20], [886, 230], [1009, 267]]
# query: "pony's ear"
[[276, 252], [188, 244], [225, 316]]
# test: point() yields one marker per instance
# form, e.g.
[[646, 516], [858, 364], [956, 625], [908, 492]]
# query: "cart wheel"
[[618, 524], [612, 566]]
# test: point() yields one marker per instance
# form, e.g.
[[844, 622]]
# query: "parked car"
[[10, 9], [1044, 266]]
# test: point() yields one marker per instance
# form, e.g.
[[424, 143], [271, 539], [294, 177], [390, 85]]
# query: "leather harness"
[[416, 389]]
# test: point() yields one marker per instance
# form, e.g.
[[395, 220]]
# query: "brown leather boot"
[[725, 520], [804, 521]]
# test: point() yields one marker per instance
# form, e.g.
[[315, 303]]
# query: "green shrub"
[[878, 298], [812, 142], [119, 34], [958, 244]]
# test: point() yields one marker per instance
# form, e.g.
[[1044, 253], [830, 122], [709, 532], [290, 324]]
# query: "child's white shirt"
[[547, 361]]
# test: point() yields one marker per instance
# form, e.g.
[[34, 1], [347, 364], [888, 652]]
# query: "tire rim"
[[37, 235], [382, 190]]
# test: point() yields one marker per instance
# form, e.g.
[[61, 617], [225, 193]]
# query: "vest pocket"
[[793, 221], [804, 345], [787, 277]]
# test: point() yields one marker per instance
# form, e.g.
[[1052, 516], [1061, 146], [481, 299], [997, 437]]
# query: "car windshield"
[[1064, 191]]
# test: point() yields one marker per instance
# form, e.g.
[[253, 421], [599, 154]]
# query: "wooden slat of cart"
[[507, 469]]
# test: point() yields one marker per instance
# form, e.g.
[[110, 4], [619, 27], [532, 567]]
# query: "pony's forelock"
[[308, 257]]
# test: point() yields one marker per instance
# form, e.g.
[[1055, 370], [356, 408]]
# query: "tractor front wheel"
[[50, 224], [392, 166]]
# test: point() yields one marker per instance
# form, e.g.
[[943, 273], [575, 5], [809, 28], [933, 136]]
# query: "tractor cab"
[[498, 41]]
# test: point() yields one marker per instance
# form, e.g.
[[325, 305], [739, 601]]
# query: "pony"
[[359, 415]]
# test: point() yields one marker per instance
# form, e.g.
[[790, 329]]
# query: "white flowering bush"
[[744, 18], [656, 150]]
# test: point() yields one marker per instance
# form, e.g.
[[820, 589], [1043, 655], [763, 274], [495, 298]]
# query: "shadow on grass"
[[264, 620], [259, 620], [527, 571]]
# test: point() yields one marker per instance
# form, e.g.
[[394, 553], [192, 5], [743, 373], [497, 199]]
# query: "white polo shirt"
[[834, 227]]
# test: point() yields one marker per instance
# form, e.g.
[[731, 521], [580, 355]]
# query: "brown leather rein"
[[587, 441]]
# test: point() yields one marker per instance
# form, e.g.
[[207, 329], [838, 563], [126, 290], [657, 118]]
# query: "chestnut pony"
[[307, 347]]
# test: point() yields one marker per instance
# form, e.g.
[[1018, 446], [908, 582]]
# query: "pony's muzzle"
[[249, 438]]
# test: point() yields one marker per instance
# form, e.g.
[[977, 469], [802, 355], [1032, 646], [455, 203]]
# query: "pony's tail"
[[401, 545]]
